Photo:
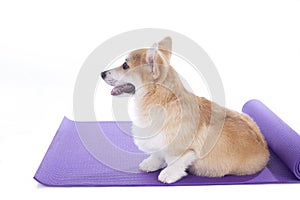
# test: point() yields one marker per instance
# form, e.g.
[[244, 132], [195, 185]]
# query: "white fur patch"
[[134, 114], [177, 168], [148, 138], [151, 144], [152, 163], [171, 174]]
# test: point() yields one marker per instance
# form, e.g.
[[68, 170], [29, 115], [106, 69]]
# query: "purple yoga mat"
[[281, 138], [103, 154]]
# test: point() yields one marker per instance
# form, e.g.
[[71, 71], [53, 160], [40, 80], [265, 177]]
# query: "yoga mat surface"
[[281, 138], [81, 155]]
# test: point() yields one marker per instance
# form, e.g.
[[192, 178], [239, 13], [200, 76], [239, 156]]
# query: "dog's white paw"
[[171, 175], [151, 164]]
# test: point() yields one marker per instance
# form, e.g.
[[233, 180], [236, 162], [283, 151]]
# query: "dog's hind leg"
[[176, 168]]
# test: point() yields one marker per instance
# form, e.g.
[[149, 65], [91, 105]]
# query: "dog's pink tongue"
[[116, 91], [126, 88]]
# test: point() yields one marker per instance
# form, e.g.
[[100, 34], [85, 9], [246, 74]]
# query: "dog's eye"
[[125, 66]]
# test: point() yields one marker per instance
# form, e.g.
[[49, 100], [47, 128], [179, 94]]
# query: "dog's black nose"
[[103, 74]]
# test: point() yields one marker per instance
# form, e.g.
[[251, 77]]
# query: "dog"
[[181, 132]]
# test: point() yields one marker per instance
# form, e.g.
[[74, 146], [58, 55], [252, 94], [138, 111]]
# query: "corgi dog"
[[181, 132]]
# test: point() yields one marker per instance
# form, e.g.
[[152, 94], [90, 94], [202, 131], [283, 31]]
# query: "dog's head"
[[142, 66]]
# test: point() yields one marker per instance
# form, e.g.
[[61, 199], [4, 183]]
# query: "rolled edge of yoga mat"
[[281, 138]]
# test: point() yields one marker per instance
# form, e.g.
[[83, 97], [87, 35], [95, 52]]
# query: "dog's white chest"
[[135, 115], [151, 144], [147, 137]]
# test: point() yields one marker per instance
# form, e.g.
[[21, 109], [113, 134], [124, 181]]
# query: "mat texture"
[[103, 154]]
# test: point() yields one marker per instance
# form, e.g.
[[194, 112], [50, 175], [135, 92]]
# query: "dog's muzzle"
[[119, 89]]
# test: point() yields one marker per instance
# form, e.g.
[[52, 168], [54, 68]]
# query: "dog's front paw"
[[171, 175], [151, 164]]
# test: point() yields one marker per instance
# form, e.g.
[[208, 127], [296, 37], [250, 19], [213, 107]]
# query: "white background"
[[255, 46]]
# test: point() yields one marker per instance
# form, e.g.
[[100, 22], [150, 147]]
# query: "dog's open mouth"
[[125, 88]]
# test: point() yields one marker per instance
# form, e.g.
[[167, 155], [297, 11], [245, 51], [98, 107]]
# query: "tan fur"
[[224, 141]]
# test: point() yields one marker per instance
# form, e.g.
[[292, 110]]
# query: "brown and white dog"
[[180, 131]]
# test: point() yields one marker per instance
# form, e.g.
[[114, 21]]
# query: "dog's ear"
[[165, 46], [151, 55], [165, 50]]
